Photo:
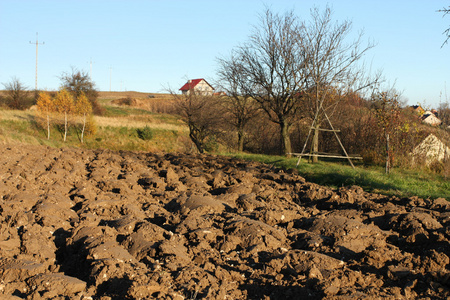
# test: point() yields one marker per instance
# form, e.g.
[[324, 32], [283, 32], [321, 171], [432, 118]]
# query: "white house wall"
[[203, 87]]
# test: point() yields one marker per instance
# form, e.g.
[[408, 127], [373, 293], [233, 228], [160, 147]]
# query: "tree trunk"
[[84, 127], [198, 144], [195, 136], [285, 140], [240, 140], [388, 155], [315, 143], [65, 126], [48, 127]]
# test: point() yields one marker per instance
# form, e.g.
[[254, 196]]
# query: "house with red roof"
[[200, 86]]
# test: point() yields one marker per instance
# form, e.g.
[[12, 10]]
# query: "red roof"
[[191, 84]]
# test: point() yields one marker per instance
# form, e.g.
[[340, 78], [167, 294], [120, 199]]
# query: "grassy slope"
[[117, 131]]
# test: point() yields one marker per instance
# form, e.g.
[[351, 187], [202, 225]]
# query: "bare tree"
[[271, 67], [386, 107], [17, 94], [237, 103], [444, 114], [445, 11], [78, 82], [289, 66], [333, 66], [202, 114]]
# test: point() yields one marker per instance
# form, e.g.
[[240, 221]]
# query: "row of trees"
[[75, 102], [64, 104], [379, 127], [76, 82]]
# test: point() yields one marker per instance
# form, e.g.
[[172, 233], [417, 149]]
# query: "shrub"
[[437, 166], [145, 133], [17, 96], [91, 127], [125, 101]]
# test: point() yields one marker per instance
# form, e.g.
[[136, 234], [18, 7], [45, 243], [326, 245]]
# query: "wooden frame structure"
[[300, 155]]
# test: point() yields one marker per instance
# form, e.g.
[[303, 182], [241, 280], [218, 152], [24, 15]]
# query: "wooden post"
[[388, 156]]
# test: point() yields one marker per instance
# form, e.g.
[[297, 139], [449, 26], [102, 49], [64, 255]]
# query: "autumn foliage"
[[64, 110]]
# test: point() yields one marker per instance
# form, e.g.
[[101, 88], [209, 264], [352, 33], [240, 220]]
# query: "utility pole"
[[110, 75], [37, 46]]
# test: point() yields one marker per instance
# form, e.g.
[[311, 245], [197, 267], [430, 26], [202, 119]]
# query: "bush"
[[125, 101], [91, 127], [16, 95], [145, 133]]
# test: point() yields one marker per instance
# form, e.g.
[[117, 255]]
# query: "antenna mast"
[[37, 46]]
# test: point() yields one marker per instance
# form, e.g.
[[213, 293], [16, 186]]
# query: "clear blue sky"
[[150, 45]]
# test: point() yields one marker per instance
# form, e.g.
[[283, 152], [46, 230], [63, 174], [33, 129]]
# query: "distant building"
[[200, 86], [418, 109], [430, 118], [431, 149]]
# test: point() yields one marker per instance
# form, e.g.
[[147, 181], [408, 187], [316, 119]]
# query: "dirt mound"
[[81, 224]]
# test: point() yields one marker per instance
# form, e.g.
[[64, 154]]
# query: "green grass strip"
[[400, 182]]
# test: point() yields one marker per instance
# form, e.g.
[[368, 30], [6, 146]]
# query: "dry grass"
[[129, 122], [17, 115], [156, 103], [134, 95], [117, 95]]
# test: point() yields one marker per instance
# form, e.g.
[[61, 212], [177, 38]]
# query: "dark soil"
[[82, 224]]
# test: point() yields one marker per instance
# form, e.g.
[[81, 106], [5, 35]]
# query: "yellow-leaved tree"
[[64, 105], [83, 108], [45, 106]]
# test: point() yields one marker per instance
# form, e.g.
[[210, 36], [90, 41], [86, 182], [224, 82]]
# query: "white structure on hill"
[[432, 149], [430, 118]]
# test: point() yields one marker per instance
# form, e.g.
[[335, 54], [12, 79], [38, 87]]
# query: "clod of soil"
[[82, 224]]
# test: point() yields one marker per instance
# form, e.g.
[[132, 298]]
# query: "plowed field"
[[83, 224]]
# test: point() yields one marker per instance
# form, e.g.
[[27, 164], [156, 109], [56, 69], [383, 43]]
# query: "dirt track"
[[81, 224]]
